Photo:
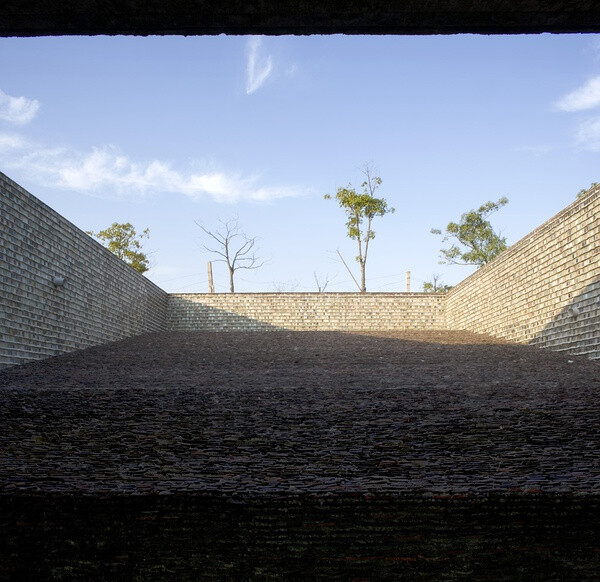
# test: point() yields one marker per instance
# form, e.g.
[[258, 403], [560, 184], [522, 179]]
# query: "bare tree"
[[286, 286], [235, 248], [322, 282]]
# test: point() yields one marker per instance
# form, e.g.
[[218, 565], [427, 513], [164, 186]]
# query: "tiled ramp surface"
[[278, 420], [441, 412]]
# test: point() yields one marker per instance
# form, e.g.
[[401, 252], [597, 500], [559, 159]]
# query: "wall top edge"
[[578, 204], [315, 293], [110, 256]]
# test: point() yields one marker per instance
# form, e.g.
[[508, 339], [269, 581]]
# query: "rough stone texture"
[[102, 300], [305, 311], [301, 455], [545, 289], [242, 413], [55, 17]]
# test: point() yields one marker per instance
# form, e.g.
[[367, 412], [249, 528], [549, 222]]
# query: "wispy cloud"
[[259, 66], [587, 135], [10, 142], [537, 151], [17, 110], [107, 172], [585, 97]]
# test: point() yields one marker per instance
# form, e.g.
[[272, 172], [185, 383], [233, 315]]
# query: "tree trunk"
[[231, 287], [363, 282]]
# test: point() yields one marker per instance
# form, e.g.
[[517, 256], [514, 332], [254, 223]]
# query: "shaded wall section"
[[576, 329], [305, 311], [102, 298], [545, 289]]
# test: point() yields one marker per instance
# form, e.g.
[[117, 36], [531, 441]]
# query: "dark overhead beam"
[[210, 17]]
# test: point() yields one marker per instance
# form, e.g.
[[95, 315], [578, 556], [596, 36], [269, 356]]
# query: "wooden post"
[[408, 281], [211, 287]]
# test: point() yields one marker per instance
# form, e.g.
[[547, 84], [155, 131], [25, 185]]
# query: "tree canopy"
[[122, 240], [361, 208], [474, 241], [586, 190], [436, 285]]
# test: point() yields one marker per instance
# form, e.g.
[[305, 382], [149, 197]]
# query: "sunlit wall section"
[[60, 290], [544, 290]]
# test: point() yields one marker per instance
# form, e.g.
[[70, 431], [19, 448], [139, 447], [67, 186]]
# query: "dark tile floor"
[[431, 413]]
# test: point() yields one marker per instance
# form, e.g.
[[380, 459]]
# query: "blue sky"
[[167, 132]]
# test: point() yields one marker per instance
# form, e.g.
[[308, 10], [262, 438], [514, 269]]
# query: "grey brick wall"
[[102, 300], [544, 290], [305, 311]]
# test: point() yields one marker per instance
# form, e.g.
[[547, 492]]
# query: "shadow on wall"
[[576, 329], [188, 315], [305, 311]]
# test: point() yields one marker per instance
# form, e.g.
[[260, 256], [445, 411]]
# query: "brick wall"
[[102, 300], [544, 290], [305, 311]]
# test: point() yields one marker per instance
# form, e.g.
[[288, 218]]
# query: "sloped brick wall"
[[102, 300], [544, 290], [305, 311]]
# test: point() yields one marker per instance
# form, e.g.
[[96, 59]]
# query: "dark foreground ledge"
[[335, 537]]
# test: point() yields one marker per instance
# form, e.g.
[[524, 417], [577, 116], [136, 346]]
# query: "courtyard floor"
[[301, 456], [439, 413]]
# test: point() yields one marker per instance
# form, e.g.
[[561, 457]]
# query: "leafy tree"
[[361, 208], [122, 240], [235, 248], [476, 234], [435, 285], [584, 191]]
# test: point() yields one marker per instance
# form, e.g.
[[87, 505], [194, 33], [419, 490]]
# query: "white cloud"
[[258, 67], [106, 172], [585, 97], [588, 134], [107, 169], [10, 142], [17, 110]]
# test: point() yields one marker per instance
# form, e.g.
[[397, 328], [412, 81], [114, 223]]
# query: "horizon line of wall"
[[544, 290]]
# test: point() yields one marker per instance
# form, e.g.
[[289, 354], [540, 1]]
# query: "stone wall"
[[305, 311], [544, 290], [102, 299]]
